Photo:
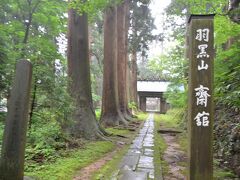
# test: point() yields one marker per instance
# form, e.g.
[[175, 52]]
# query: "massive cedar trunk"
[[111, 114], [84, 120], [127, 24], [134, 77], [128, 84], [122, 59]]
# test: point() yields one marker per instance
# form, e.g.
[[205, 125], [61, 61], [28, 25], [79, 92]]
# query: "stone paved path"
[[138, 163]]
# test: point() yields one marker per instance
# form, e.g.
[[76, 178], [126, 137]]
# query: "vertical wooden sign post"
[[200, 107], [14, 139]]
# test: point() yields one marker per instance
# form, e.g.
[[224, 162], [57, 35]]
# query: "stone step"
[[133, 175]]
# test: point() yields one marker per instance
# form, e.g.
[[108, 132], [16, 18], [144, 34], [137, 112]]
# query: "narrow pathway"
[[138, 163], [174, 157]]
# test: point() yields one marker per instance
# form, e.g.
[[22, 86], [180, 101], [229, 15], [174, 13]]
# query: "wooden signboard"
[[200, 107]]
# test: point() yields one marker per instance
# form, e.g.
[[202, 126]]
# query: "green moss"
[[65, 168], [114, 131], [159, 147], [142, 116], [109, 170], [172, 119]]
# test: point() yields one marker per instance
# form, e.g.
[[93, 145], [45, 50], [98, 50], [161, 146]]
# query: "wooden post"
[[14, 139], [163, 108], [200, 107], [143, 100]]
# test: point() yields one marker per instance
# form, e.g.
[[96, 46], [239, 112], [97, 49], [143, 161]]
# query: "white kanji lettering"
[[202, 95], [203, 66], [202, 119], [203, 35], [203, 53]]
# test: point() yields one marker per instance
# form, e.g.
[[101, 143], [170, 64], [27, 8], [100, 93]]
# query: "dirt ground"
[[87, 172], [174, 156]]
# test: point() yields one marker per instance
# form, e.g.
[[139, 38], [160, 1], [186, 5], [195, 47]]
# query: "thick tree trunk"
[[122, 59], [111, 114], [134, 77], [127, 24], [128, 84], [84, 121]]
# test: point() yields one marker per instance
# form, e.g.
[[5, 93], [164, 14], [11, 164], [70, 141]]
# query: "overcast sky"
[[157, 7]]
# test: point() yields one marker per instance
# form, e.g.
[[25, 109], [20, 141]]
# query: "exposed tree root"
[[127, 117], [113, 120], [86, 126]]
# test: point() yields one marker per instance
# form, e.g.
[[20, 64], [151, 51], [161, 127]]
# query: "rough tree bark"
[[134, 77], [111, 115], [127, 25], [122, 59], [84, 120], [128, 84]]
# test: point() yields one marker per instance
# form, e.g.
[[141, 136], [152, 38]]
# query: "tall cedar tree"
[[84, 121], [122, 30], [111, 114], [141, 26]]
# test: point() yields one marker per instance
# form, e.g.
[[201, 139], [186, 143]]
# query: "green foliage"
[[132, 105], [98, 113], [142, 116], [172, 66], [176, 95], [174, 118], [220, 173], [94, 7], [227, 69], [226, 63], [141, 26]]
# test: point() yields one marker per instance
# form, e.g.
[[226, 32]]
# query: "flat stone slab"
[[130, 175], [149, 135], [138, 163], [146, 162], [148, 140], [137, 141], [148, 152], [150, 172], [148, 144], [136, 146], [130, 161], [132, 152]]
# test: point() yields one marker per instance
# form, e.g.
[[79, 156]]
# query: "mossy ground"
[[160, 146], [142, 116], [66, 167]]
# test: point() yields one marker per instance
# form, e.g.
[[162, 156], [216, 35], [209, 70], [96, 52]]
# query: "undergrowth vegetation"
[[65, 168], [52, 154]]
